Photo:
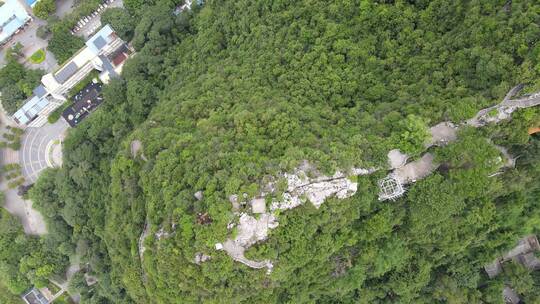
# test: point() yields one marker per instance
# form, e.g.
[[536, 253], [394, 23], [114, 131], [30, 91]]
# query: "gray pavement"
[[31, 43], [64, 7], [34, 155], [49, 64], [32, 220]]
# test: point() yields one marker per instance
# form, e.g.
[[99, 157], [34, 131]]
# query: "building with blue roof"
[[13, 17], [104, 52]]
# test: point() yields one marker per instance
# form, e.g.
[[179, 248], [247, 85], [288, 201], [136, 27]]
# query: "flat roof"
[[34, 296], [100, 42], [66, 72], [10, 28], [40, 91], [12, 17], [30, 109], [95, 43]]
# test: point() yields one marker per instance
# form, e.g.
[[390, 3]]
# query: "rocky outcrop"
[[250, 231], [300, 188], [315, 190]]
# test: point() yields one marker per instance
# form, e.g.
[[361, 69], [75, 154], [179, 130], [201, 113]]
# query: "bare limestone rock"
[[252, 230], [136, 149], [201, 258], [198, 195], [316, 190], [258, 205]]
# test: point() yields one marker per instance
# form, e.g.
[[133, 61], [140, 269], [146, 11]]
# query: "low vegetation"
[[12, 173], [13, 138], [38, 57], [56, 114]]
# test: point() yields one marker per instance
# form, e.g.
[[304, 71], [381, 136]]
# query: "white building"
[[13, 17], [104, 52]]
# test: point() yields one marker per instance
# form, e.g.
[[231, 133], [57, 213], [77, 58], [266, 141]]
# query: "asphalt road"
[[33, 152]]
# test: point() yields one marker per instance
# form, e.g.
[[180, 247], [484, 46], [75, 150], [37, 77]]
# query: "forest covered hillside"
[[224, 97]]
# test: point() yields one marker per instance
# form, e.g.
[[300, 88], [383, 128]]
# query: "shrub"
[[43, 32], [55, 115], [15, 145]]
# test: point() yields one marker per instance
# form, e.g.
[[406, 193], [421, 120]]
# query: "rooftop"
[[12, 17], [84, 103], [34, 297]]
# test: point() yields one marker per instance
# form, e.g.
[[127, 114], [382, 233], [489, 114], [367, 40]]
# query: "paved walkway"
[[64, 7], [32, 220], [35, 154]]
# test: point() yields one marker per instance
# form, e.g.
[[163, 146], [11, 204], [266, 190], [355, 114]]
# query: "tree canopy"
[[229, 93]]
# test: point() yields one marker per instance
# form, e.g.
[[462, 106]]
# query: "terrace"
[[85, 101]]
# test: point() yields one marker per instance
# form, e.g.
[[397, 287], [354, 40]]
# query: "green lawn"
[[38, 57], [63, 299]]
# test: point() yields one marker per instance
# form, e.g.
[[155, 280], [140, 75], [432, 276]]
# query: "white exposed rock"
[[396, 159], [252, 230], [289, 202], [230, 225], [162, 234], [201, 258], [136, 147], [198, 195], [362, 171], [90, 279], [258, 205], [316, 190]]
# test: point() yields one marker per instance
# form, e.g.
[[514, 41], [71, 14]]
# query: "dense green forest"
[[231, 92], [27, 260]]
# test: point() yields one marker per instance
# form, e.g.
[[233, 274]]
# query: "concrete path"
[[64, 7], [32, 221], [34, 155]]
